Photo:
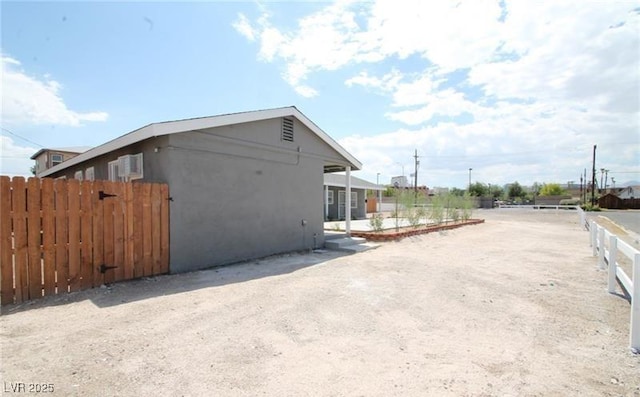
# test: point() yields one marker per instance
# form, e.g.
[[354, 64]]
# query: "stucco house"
[[629, 192], [335, 196], [243, 185], [50, 157]]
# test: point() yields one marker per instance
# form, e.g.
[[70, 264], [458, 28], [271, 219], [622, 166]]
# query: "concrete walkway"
[[363, 225]]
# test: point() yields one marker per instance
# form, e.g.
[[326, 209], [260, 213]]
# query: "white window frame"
[[90, 174], [354, 199], [113, 172], [330, 197], [55, 162], [78, 175]]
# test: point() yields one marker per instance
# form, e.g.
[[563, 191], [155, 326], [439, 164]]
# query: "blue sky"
[[516, 90]]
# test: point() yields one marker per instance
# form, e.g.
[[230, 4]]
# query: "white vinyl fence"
[[610, 250]]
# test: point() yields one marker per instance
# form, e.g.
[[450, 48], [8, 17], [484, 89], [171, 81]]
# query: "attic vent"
[[287, 129]]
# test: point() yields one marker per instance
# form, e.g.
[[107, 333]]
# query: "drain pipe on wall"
[[347, 203]]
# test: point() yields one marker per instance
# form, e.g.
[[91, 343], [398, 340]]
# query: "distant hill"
[[630, 183]]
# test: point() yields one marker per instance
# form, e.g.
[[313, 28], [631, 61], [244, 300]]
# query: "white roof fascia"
[[356, 186], [172, 127]]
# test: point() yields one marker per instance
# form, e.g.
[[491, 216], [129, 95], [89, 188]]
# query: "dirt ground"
[[514, 306]]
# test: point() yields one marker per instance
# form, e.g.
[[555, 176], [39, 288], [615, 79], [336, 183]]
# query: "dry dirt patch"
[[514, 306]]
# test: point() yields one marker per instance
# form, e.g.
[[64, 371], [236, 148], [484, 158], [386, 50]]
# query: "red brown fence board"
[[59, 236]]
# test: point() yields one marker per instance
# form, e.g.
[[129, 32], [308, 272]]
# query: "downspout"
[[347, 203]]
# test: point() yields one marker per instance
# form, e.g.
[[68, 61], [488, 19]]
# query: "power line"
[[20, 137]]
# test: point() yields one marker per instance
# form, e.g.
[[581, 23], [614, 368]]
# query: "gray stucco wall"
[[235, 201]]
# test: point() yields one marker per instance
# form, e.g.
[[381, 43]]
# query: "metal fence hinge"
[[104, 268], [102, 195]]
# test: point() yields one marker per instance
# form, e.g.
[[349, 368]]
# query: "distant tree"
[[456, 192], [496, 192], [551, 189], [535, 189], [389, 191], [516, 191], [33, 169], [478, 189]]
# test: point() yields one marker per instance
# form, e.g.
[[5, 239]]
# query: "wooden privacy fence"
[[59, 236]]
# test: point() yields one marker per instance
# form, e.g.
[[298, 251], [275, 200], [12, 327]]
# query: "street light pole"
[[469, 188]]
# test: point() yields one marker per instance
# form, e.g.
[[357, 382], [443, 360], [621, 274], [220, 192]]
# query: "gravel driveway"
[[513, 306]]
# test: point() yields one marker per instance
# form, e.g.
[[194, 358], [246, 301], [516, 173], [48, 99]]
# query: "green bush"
[[590, 207], [376, 222]]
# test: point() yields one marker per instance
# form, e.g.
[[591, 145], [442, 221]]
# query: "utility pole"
[[601, 180], [586, 187], [606, 176], [415, 176], [593, 177], [580, 187]]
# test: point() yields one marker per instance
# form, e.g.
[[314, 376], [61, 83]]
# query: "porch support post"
[[347, 203], [326, 203]]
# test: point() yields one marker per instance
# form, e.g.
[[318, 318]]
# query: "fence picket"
[[138, 264], [86, 235], [48, 237], [19, 210], [147, 230], [62, 236], [75, 274], [156, 202], [164, 229], [129, 252], [34, 227], [97, 234], [118, 231], [108, 233], [6, 242]]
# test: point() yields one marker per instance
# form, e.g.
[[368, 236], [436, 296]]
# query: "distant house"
[[335, 196], [47, 158], [628, 192], [243, 185]]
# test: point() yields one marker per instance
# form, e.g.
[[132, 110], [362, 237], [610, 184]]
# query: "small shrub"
[[376, 222], [590, 207]]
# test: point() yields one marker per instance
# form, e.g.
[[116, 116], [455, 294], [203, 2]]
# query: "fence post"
[[592, 232], [634, 334], [600, 244], [613, 252]]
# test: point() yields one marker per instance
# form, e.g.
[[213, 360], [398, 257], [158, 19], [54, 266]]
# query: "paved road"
[[629, 219]]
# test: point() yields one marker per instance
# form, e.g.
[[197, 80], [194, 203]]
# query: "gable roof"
[[177, 126], [356, 183]]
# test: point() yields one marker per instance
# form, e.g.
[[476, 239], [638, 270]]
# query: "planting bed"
[[402, 232]]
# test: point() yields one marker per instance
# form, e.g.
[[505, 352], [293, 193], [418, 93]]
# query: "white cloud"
[[524, 88], [28, 100], [306, 91], [243, 27], [14, 159]]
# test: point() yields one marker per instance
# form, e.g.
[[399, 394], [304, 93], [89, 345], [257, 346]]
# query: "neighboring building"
[[628, 192], [243, 185], [399, 181], [47, 158], [335, 196]]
